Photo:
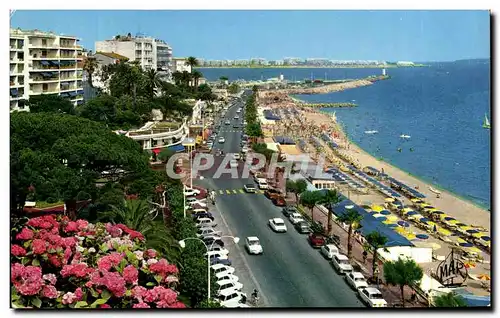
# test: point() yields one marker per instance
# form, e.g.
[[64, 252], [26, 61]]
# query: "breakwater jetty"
[[323, 105]]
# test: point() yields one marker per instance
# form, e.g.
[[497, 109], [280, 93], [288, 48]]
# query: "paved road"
[[290, 273]]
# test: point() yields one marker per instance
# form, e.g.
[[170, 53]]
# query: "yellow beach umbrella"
[[388, 222], [473, 250], [431, 223], [461, 240], [415, 200], [452, 222], [479, 234], [392, 218], [400, 230], [390, 200], [444, 231], [410, 236], [406, 210], [377, 208]]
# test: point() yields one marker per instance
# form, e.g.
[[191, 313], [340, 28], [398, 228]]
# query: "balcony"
[[44, 57], [46, 77], [48, 46], [45, 65], [44, 91], [68, 78]]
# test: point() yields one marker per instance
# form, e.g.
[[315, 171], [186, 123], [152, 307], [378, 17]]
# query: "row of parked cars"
[[368, 294], [229, 289]]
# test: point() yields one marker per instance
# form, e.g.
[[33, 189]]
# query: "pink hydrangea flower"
[[78, 270], [134, 234], [71, 227], [17, 250], [26, 279], [163, 268], [79, 294], [177, 305], [139, 254], [105, 306], [139, 292], [26, 234], [55, 260], [114, 283], [114, 231], [43, 222], [49, 291], [150, 253], [39, 246], [131, 274], [51, 278], [82, 224], [141, 305], [106, 262], [69, 298], [67, 254]]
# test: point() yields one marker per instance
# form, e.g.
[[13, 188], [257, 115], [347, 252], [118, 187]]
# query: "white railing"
[[178, 133]]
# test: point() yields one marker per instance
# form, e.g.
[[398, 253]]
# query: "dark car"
[[289, 210], [303, 228], [216, 260], [203, 215], [236, 126], [209, 240]]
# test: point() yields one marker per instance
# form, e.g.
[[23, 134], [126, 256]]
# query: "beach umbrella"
[[385, 212], [411, 213], [390, 200], [440, 213], [449, 218], [472, 231], [400, 230], [392, 218], [422, 236], [483, 277], [461, 224], [406, 210], [466, 244], [403, 224], [473, 250], [478, 234], [416, 200], [469, 265], [461, 240], [424, 220], [485, 238], [382, 219], [377, 208], [388, 222]]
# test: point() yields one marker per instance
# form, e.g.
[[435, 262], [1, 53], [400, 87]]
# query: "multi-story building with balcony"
[[44, 63], [179, 64], [149, 52]]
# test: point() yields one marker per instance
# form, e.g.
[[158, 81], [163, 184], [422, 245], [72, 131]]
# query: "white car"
[[191, 192], [221, 268], [238, 111], [277, 224], [329, 250], [217, 248], [233, 164], [225, 276], [222, 140], [217, 254], [231, 298], [226, 284], [341, 263], [249, 188], [244, 149], [205, 222], [296, 218], [236, 156], [193, 201], [206, 231], [236, 117], [372, 297], [227, 122], [253, 246], [356, 280]]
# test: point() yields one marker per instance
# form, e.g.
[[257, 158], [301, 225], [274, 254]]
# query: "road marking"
[[241, 191], [234, 191], [228, 192]]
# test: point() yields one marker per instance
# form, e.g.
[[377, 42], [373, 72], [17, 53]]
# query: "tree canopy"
[[50, 104], [403, 272]]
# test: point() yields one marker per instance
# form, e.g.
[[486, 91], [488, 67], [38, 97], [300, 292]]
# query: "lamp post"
[[182, 243], [190, 142]]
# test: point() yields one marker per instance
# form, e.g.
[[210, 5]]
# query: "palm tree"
[[186, 78], [152, 82], [376, 241], [330, 198], [309, 199], [177, 76], [192, 61], [90, 67], [137, 215], [449, 300], [196, 76], [352, 218], [403, 272]]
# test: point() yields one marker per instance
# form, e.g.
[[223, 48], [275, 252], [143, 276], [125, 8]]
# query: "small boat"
[[486, 122], [434, 190], [405, 136], [371, 131]]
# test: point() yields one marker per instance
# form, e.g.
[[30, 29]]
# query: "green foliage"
[[253, 128], [166, 154], [50, 104], [90, 66], [352, 218], [209, 304], [331, 197], [403, 272], [194, 278], [375, 241], [296, 187], [233, 88], [449, 300]]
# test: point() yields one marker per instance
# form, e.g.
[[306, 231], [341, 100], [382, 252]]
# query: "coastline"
[[313, 66]]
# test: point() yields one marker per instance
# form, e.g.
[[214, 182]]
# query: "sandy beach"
[[311, 122]]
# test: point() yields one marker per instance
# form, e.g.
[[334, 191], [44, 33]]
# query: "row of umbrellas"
[[392, 221]]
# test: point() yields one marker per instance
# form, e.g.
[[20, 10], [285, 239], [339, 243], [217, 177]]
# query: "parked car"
[[193, 201], [191, 192], [295, 218], [356, 280], [216, 260], [225, 276], [253, 246], [244, 149], [227, 284], [341, 263], [213, 239], [287, 210], [205, 222], [197, 215], [231, 298], [206, 231], [328, 250], [279, 201], [236, 117], [316, 240], [236, 126], [372, 297], [249, 188], [277, 224], [219, 268], [217, 254], [302, 227], [220, 249]]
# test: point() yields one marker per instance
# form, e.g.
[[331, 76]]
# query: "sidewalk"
[[392, 294]]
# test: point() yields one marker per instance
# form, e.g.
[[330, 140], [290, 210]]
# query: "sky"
[[421, 36]]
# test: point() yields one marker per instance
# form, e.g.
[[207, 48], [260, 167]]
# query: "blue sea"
[[441, 107]]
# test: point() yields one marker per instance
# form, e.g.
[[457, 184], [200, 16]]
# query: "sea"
[[441, 107]]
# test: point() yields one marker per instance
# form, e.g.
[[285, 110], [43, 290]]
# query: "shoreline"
[[440, 187], [312, 66]]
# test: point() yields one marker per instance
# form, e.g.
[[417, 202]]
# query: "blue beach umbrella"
[[385, 212], [422, 236], [466, 244], [403, 224], [486, 238], [411, 213], [449, 218], [424, 220], [472, 231]]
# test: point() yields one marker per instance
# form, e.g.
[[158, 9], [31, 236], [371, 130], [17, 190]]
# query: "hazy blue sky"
[[365, 35]]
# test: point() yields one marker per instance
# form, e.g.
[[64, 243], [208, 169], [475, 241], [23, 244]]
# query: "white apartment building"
[[179, 64], [151, 53], [44, 63]]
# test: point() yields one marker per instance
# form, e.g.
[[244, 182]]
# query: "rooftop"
[[40, 33], [113, 55]]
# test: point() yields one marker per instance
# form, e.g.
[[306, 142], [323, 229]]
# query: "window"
[[45, 87], [44, 42]]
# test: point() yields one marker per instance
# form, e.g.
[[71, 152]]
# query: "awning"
[[64, 95], [54, 62], [177, 148], [72, 94], [44, 74], [13, 91], [80, 91], [79, 102], [44, 62]]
